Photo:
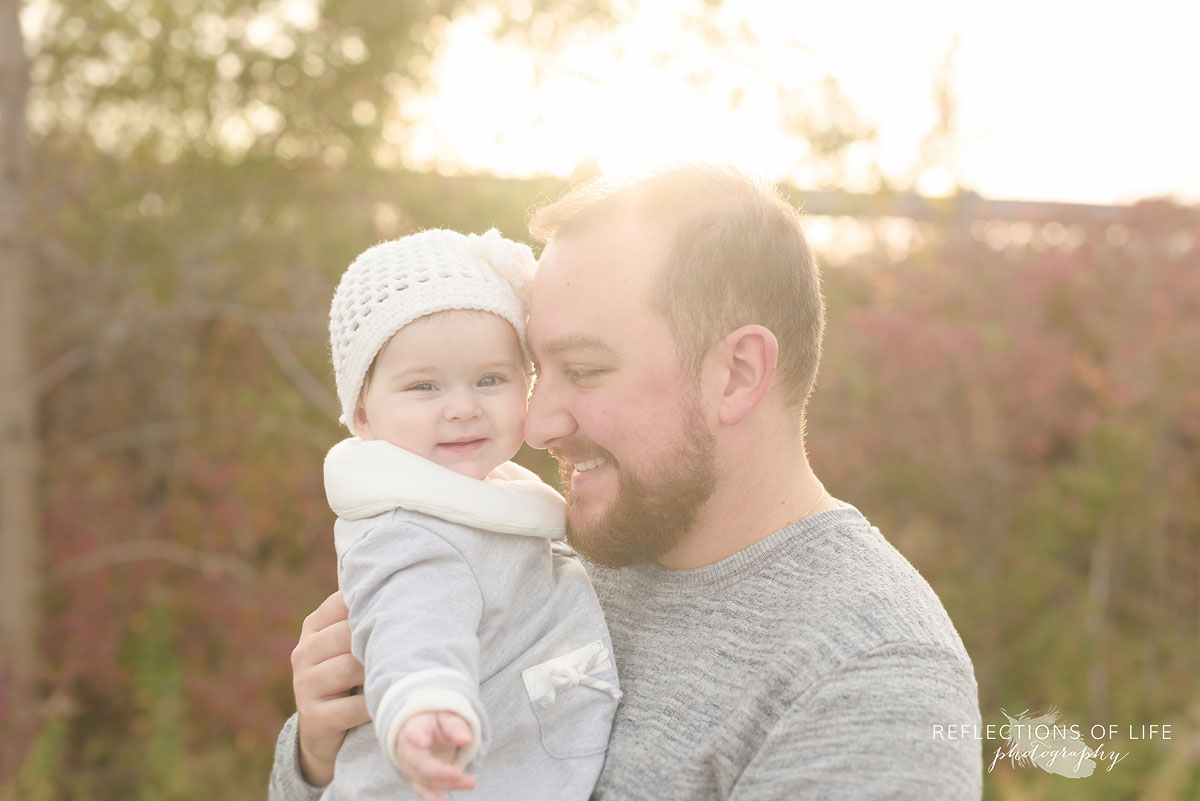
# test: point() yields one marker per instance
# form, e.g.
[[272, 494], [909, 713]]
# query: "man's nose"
[[461, 405], [548, 419]]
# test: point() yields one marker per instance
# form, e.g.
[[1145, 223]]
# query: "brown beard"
[[649, 516]]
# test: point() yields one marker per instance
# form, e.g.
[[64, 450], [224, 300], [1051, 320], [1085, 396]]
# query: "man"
[[770, 643]]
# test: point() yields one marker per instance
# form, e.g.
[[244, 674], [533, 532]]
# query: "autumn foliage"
[[1015, 404]]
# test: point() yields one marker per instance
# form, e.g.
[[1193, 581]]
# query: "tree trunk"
[[20, 563]]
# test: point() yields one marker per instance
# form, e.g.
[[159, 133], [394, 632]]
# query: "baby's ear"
[[361, 427]]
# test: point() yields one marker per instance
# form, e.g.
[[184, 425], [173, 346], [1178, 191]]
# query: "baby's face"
[[450, 387]]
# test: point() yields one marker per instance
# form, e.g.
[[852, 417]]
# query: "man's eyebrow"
[[578, 342]]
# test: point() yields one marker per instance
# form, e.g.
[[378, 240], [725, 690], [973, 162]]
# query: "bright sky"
[[1056, 99]]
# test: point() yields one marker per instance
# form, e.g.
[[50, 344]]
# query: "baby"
[[484, 646]]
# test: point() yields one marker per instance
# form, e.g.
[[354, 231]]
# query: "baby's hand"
[[425, 752]]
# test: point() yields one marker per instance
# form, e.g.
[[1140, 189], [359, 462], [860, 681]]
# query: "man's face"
[[612, 402]]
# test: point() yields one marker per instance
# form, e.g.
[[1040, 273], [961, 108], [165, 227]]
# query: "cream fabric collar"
[[363, 479]]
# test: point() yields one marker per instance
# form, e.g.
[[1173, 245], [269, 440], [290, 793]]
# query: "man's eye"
[[580, 373]]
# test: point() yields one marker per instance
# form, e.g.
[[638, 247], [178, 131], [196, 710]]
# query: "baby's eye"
[[420, 386], [491, 381]]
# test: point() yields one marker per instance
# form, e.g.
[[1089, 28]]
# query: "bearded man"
[[770, 643]]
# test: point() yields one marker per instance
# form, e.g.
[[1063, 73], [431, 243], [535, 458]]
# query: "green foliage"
[[36, 779]]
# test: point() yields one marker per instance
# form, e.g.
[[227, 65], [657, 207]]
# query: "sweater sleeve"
[[870, 731], [415, 608], [287, 782]]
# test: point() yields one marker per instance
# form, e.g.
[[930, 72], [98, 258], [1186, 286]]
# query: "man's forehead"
[[621, 255], [592, 288]]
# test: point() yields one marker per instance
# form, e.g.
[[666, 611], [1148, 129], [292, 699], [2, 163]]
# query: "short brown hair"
[[738, 257]]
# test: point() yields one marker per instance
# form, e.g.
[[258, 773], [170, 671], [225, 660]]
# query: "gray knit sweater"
[[813, 664]]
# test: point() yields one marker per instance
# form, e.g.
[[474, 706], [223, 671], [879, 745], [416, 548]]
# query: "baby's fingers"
[[427, 794], [426, 769], [453, 729]]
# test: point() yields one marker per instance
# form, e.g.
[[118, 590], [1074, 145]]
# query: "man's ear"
[[741, 370], [362, 429]]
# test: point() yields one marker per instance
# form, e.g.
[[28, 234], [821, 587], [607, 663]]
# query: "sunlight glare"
[[1034, 104]]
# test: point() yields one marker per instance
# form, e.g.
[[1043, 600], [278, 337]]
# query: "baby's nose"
[[462, 405]]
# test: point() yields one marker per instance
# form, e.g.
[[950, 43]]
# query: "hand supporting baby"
[[425, 751]]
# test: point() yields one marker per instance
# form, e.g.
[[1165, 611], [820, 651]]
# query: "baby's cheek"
[[518, 407]]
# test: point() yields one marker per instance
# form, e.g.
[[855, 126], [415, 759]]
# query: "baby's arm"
[[415, 608]]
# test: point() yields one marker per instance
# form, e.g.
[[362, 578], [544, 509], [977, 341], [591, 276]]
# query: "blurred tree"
[[291, 79], [20, 564]]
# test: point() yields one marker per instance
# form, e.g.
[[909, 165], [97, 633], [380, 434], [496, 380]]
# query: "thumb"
[[454, 729]]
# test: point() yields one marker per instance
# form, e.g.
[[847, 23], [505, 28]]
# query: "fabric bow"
[[567, 676]]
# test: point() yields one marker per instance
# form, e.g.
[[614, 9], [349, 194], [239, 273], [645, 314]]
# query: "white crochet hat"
[[393, 283]]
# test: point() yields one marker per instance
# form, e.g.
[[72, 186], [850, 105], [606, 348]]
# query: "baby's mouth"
[[463, 444]]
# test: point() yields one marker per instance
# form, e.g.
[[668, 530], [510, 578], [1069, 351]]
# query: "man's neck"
[[754, 499]]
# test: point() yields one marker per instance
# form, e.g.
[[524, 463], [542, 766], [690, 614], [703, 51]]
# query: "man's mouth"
[[578, 467], [580, 460]]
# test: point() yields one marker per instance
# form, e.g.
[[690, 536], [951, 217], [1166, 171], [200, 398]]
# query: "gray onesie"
[[459, 601]]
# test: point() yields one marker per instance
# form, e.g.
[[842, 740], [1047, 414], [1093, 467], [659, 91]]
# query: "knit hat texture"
[[393, 283]]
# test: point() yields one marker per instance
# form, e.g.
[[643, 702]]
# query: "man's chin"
[[614, 536], [596, 544], [586, 529]]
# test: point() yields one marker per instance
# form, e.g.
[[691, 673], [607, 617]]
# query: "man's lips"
[[578, 459], [463, 445], [578, 467]]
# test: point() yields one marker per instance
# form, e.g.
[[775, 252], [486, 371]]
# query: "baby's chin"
[[478, 471]]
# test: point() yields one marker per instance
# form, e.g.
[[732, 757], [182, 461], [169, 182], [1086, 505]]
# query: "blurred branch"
[[61, 368], [938, 147], [967, 206], [266, 323], [292, 367], [319, 439], [208, 562], [1096, 620], [142, 435]]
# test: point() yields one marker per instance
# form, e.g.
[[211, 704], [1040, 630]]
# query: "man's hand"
[[425, 751], [323, 675]]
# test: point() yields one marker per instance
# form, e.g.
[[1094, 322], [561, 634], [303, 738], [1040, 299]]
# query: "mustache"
[[570, 452]]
